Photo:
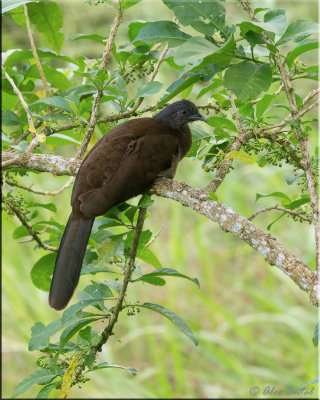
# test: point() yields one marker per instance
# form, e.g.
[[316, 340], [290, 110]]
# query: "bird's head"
[[179, 113]]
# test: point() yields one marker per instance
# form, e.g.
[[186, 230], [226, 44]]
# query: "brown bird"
[[121, 165]]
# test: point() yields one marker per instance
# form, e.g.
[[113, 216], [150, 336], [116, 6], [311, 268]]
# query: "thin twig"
[[276, 93], [99, 94], [108, 331], [22, 101], [35, 54], [225, 165], [14, 209], [43, 192], [276, 207]]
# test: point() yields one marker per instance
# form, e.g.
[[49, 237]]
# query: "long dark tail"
[[69, 260]]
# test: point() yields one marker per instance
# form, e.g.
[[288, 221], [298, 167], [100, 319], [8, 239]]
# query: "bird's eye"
[[184, 112]]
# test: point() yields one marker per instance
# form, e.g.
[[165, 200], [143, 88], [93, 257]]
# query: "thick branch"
[[228, 220]]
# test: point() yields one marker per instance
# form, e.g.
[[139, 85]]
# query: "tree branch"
[[301, 136], [108, 331], [15, 210], [43, 192], [276, 207], [99, 94], [35, 54], [228, 219]]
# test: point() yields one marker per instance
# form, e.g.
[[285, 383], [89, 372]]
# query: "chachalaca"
[[122, 164]]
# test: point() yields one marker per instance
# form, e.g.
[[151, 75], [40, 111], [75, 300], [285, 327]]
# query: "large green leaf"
[[95, 37], [221, 122], [302, 47], [277, 19], [56, 78], [8, 5], [48, 18], [298, 30], [102, 365], [39, 377], [42, 271], [263, 104], [53, 101], [40, 334], [162, 31], [165, 272], [194, 50], [9, 118], [248, 79], [20, 55], [149, 89], [129, 3], [273, 194], [145, 254], [181, 85], [173, 317]]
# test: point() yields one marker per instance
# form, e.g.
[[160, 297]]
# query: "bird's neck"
[[185, 140]]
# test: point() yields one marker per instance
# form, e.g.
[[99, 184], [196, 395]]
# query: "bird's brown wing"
[[122, 165]]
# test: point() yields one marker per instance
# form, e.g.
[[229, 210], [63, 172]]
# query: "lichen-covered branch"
[[228, 219]]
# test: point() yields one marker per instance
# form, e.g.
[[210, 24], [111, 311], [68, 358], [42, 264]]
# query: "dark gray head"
[[177, 114]]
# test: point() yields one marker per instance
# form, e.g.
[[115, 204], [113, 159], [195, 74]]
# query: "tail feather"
[[69, 260]]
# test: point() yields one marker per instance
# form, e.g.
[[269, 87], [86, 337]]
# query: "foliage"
[[209, 63]]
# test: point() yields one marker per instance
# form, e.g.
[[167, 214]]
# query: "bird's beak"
[[196, 117]]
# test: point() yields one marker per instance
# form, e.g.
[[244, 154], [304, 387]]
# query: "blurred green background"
[[253, 323]]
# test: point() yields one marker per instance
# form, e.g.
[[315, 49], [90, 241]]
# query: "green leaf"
[[42, 271], [9, 118], [49, 206], [85, 334], [315, 337], [198, 133], [248, 79], [162, 31], [298, 30], [39, 377], [56, 78], [263, 104], [48, 18], [8, 5], [222, 122], [53, 101], [182, 85], [149, 89], [145, 202], [222, 56], [46, 390], [241, 156], [71, 330], [102, 365], [277, 19], [273, 194], [145, 254], [95, 292], [40, 334], [19, 232], [297, 203], [129, 3], [194, 50], [19, 55], [134, 28], [95, 37], [165, 272], [174, 318], [58, 139], [302, 47]]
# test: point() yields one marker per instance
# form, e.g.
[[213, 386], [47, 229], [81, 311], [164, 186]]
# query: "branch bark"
[[228, 220]]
